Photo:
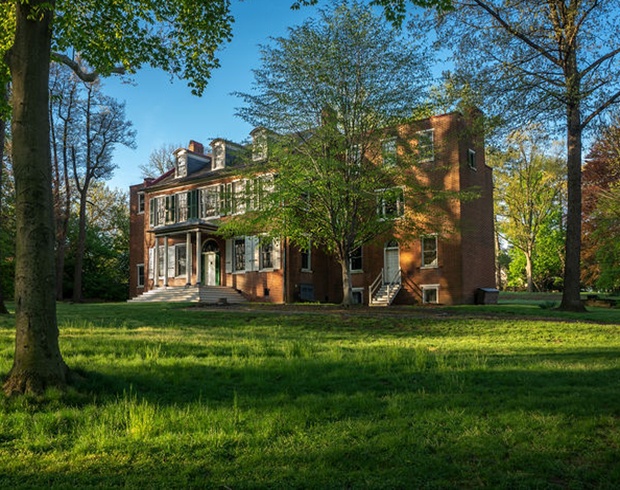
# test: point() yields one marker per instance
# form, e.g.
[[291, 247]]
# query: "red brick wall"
[[136, 239], [465, 237]]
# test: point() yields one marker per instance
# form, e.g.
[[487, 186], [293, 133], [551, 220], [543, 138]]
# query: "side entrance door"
[[391, 263]]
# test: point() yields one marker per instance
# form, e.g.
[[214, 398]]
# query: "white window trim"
[[178, 247], [381, 204], [141, 197], [140, 286], [426, 287], [309, 251], [471, 157], [357, 271], [436, 264], [432, 132], [261, 267], [384, 142], [358, 290]]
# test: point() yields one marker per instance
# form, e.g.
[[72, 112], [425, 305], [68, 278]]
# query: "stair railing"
[[374, 287], [393, 286]]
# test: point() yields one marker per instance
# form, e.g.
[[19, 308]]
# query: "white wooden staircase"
[[383, 290], [191, 294]]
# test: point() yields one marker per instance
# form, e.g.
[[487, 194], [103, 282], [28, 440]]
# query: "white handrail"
[[375, 285], [395, 282]]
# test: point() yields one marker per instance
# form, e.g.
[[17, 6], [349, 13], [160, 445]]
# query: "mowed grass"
[[176, 397]]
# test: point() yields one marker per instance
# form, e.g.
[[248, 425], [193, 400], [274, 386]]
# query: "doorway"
[[211, 264], [391, 261]]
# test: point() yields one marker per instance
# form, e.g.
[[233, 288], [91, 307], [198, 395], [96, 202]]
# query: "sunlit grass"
[[176, 397]]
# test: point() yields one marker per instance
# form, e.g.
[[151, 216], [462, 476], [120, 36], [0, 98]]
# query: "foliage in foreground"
[[175, 397]]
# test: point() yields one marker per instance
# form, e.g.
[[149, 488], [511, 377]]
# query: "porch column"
[[188, 258], [198, 261], [165, 261], [156, 263]]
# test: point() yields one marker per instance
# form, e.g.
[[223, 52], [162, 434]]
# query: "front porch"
[[191, 294], [186, 255]]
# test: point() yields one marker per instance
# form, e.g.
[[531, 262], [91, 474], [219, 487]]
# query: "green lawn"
[[464, 397]]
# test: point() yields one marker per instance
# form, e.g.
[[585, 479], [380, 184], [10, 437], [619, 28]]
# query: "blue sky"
[[164, 111]]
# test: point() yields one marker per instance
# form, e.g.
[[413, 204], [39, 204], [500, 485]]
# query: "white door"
[[391, 263], [211, 268]]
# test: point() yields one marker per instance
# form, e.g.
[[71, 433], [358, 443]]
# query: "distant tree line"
[[91, 220]]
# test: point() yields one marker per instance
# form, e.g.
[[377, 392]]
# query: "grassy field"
[[500, 396]]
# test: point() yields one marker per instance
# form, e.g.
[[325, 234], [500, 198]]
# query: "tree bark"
[[38, 363], [4, 95], [529, 273], [571, 299], [346, 282]]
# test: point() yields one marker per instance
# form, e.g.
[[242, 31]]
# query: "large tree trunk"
[[529, 272], [571, 300], [346, 282], [38, 363], [4, 96]]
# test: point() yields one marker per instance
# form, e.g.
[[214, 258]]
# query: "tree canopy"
[[332, 94], [601, 219], [554, 62], [179, 36], [529, 193]]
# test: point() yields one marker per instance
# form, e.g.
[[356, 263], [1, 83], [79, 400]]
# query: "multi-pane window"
[[429, 251], [219, 155], [259, 147], [170, 209], [192, 204], [391, 203], [209, 199], [355, 259], [357, 296], [157, 211], [306, 258], [388, 152], [140, 202], [152, 212], [181, 207], [181, 166], [180, 255], [239, 250], [266, 254], [140, 283], [471, 159], [426, 145], [430, 293]]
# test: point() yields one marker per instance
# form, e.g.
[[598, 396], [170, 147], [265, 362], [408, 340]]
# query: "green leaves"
[[180, 37]]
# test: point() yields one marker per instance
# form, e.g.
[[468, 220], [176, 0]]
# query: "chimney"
[[196, 147]]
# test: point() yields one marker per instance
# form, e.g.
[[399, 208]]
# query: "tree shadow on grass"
[[415, 419], [571, 382]]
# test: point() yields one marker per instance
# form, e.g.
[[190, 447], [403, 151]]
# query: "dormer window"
[[219, 154], [259, 145], [181, 164]]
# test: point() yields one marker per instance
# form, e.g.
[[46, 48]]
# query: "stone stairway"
[[385, 295], [191, 294]]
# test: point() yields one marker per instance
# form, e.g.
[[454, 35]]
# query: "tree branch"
[[609, 102], [79, 70], [495, 14], [599, 62]]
